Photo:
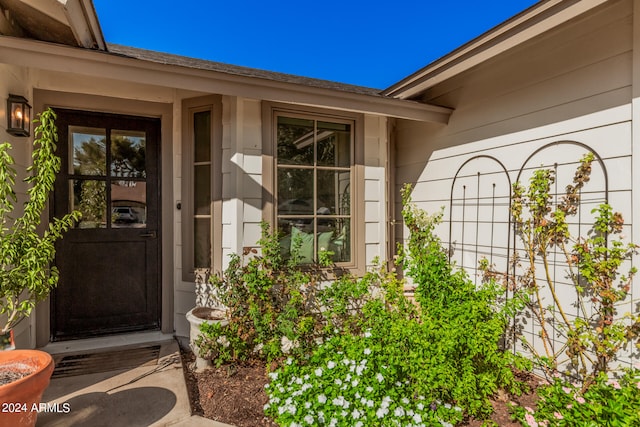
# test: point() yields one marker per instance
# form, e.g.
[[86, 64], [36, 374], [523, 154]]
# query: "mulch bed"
[[234, 394]]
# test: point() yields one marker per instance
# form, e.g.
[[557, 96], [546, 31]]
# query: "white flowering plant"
[[349, 381], [406, 364]]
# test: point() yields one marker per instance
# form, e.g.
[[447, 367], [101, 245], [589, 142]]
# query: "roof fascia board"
[[41, 55], [84, 23], [532, 22]]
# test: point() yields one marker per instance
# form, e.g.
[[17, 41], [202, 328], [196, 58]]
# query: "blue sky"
[[369, 43]]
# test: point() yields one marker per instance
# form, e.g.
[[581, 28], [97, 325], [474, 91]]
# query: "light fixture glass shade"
[[18, 116]]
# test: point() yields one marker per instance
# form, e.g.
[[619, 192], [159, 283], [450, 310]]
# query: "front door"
[[110, 262]]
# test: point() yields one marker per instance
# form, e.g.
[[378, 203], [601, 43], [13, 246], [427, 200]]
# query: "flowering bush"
[[350, 382], [593, 263], [401, 363], [607, 402]]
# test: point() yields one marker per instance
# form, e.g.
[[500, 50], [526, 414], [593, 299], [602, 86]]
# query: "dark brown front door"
[[109, 263]]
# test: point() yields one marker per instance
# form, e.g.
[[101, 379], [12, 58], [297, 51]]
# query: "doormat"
[[68, 365]]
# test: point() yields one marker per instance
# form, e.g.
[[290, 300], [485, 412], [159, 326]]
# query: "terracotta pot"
[[20, 399]]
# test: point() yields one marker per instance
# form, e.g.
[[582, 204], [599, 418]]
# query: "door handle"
[[151, 234]]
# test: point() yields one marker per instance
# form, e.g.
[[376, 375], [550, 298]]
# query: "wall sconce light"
[[18, 116]]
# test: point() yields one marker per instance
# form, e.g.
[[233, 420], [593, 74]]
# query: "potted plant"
[[208, 309], [26, 271]]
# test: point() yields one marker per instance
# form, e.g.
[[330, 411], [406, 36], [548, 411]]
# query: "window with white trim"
[[313, 184]]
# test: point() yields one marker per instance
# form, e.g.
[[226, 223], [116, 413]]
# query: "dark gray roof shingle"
[[201, 64]]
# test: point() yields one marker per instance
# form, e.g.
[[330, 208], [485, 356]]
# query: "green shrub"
[[430, 363], [278, 307], [606, 403], [27, 273], [461, 326]]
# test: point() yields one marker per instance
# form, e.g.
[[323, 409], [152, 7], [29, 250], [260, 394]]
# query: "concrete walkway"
[[154, 395]]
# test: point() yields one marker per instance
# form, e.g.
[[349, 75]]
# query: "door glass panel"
[[128, 154], [90, 198], [128, 204], [89, 151]]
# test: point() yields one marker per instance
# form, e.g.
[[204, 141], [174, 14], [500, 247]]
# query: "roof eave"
[[53, 57], [528, 24]]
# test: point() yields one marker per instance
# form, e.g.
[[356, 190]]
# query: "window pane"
[[295, 191], [89, 151], [334, 144], [335, 235], [128, 154], [333, 192], [202, 243], [295, 141], [202, 136], [202, 189], [90, 198], [297, 234], [128, 204]]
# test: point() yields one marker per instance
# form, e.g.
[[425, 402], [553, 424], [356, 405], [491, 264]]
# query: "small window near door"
[[200, 204], [201, 173]]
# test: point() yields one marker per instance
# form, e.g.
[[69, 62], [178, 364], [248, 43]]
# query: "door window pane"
[[90, 198], [89, 151], [128, 154], [128, 204]]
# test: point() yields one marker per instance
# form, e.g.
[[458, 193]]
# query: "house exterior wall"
[[244, 176], [241, 181], [375, 188], [544, 103], [242, 147]]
